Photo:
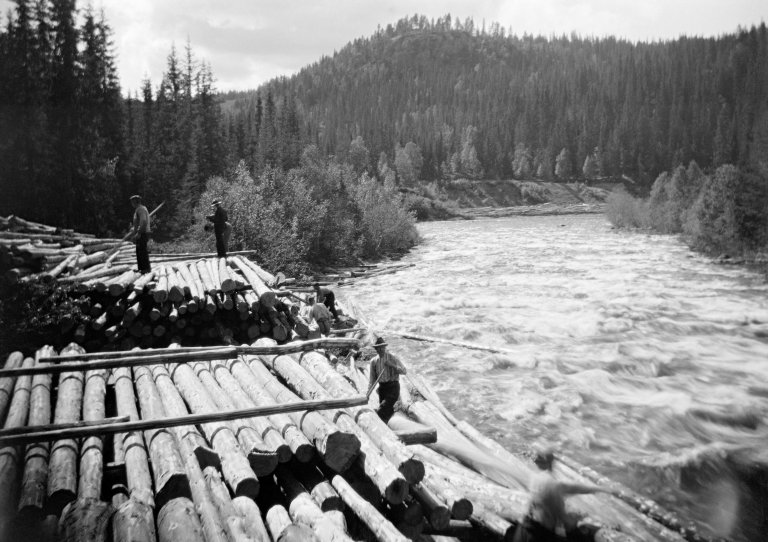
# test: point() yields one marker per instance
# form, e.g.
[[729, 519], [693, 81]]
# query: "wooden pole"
[[373, 519], [62, 470], [33, 484], [91, 455], [167, 466]]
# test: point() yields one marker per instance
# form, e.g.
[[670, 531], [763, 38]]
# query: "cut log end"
[[176, 486], [396, 491], [341, 449], [412, 470]]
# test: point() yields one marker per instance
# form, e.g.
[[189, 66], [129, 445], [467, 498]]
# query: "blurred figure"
[[141, 233], [221, 227]]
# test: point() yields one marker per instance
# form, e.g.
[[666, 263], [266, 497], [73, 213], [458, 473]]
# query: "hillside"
[[478, 103]]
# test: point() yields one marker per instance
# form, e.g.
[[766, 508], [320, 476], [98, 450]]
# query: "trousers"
[[389, 393], [142, 253]]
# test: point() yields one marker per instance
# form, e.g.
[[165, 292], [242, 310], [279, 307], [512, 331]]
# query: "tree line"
[[479, 102]]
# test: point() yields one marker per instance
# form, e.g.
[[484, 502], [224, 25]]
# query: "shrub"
[[386, 225], [625, 211], [534, 193]]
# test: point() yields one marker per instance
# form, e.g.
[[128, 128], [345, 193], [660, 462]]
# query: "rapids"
[[633, 354]]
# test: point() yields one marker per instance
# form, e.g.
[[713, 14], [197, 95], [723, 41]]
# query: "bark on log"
[[337, 448], [185, 434], [237, 527], [133, 522], [91, 454], [262, 458], [337, 386], [234, 465], [136, 458], [256, 282], [388, 479], [299, 444], [34, 480], [160, 293], [62, 471], [177, 521], [240, 399], [85, 520], [205, 277], [372, 518], [213, 272], [251, 516], [167, 466]]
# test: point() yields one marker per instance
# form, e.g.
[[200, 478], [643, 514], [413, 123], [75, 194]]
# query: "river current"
[[630, 353]]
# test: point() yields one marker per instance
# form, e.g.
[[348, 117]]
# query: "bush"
[[534, 193], [386, 225], [625, 211]]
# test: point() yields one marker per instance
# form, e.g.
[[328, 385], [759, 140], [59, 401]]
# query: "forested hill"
[[479, 103]]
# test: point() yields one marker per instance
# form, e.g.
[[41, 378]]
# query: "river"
[[632, 354]]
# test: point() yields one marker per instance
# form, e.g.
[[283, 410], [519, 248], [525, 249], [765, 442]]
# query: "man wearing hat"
[[221, 227], [386, 370], [141, 233]]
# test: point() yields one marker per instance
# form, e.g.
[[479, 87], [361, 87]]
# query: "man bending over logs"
[[386, 370], [141, 234], [328, 298], [547, 520]]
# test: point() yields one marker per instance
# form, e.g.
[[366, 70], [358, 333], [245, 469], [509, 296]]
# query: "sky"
[[248, 42]]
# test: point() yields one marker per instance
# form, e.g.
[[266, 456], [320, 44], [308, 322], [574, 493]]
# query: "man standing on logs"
[[386, 370], [547, 520], [329, 300], [141, 233], [221, 227]]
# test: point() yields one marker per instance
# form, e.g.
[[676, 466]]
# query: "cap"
[[543, 457], [216, 202], [380, 342], [135, 197]]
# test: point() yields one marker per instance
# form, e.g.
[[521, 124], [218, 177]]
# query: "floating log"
[[168, 470], [14, 360], [62, 467], [283, 530], [305, 511], [33, 483], [302, 449], [391, 483], [240, 399], [337, 386], [91, 455], [136, 458], [263, 458], [9, 456], [372, 518], [336, 447], [234, 465], [178, 521], [410, 432]]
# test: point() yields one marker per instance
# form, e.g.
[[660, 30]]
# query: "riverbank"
[[543, 209]]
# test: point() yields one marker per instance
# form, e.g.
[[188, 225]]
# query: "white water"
[[633, 354]]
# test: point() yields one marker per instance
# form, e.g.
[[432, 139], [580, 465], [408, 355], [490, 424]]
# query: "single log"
[[186, 434], [167, 466], [283, 530], [160, 292], [50, 275], [390, 482], [372, 518], [302, 449], [221, 500], [266, 277], [253, 301], [251, 517], [99, 322], [135, 452], [205, 277], [258, 285], [14, 360], [456, 502], [141, 283], [228, 283], [175, 289], [493, 523], [85, 519], [305, 511], [119, 285], [62, 467], [91, 455], [177, 521], [240, 399], [197, 286], [337, 386], [91, 259], [9, 456], [437, 512], [336, 447], [263, 458], [33, 483], [213, 272], [410, 432], [133, 522], [234, 465]]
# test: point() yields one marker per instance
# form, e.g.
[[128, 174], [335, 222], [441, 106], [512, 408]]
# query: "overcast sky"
[[248, 42]]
